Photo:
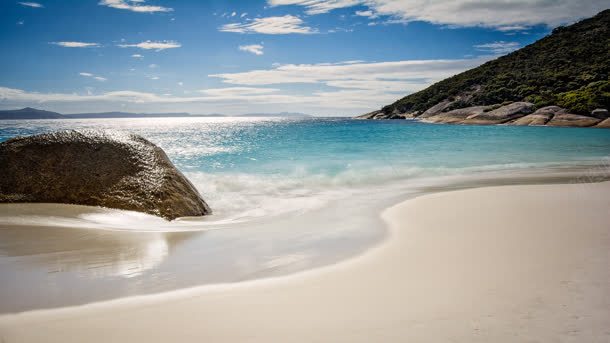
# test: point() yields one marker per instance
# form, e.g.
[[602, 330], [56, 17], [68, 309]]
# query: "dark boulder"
[[97, 168], [600, 113]]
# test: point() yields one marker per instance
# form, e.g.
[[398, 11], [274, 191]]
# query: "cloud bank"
[[499, 14], [350, 87]]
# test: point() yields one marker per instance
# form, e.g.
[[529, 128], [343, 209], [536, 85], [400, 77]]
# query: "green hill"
[[569, 68]]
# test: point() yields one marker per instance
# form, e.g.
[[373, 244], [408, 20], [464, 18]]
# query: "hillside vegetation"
[[568, 68]]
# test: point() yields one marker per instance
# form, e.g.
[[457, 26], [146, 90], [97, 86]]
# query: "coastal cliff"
[[560, 80]]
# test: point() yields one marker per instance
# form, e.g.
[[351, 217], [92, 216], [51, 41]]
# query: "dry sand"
[[498, 264]]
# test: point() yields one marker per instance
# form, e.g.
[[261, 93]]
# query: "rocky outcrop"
[[98, 168], [502, 114], [456, 116], [600, 113], [540, 117], [370, 115], [382, 115], [604, 124], [516, 113], [436, 109], [567, 119]]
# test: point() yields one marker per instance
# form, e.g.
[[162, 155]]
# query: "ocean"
[[287, 194]]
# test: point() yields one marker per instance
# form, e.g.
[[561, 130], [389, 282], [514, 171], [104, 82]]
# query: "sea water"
[[287, 195]]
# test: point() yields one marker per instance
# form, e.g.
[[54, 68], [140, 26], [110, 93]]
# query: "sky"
[[321, 57]]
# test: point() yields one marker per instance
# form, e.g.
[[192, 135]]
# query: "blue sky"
[[324, 57]]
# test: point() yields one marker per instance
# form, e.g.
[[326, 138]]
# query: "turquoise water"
[[291, 158], [287, 195]]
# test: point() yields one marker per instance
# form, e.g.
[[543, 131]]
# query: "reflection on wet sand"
[[90, 253], [51, 246]]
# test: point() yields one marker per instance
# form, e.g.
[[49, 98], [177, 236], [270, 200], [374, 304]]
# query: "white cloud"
[[154, 77], [95, 77], [256, 49], [20, 22], [317, 6], [512, 28], [422, 71], [76, 44], [180, 83], [153, 66], [270, 25], [152, 45], [233, 14], [369, 14], [134, 6], [31, 4], [485, 13], [499, 47], [243, 14], [137, 56]]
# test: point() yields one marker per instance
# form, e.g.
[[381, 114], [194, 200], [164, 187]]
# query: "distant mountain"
[[29, 113], [32, 113], [562, 79]]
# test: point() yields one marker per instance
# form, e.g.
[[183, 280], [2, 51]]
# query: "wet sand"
[[497, 264]]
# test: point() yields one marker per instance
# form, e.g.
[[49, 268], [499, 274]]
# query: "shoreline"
[[328, 280], [145, 240], [133, 252]]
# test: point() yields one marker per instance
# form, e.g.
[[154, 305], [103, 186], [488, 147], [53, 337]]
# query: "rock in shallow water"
[[97, 168]]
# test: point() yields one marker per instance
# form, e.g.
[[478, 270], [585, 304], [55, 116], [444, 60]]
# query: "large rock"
[[540, 117], [600, 113], [436, 109], [604, 123], [456, 116], [576, 120], [452, 103], [98, 168], [395, 114], [502, 114], [370, 115]]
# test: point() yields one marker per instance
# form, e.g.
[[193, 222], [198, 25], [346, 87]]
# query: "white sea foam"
[[239, 199]]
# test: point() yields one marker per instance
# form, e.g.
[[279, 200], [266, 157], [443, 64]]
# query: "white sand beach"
[[498, 264]]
